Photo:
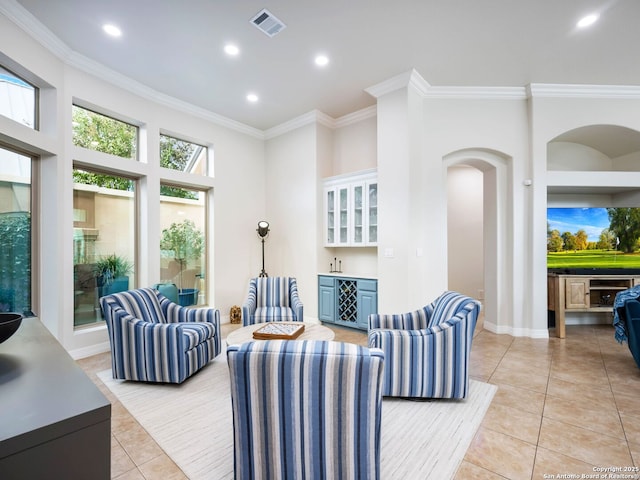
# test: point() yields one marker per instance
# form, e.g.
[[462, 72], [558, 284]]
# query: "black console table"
[[54, 421]]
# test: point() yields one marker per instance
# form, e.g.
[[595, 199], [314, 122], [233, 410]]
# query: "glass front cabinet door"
[[351, 210]]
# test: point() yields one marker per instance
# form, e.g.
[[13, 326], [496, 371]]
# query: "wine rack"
[[347, 300]]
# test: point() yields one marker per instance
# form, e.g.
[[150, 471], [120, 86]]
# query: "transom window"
[[104, 134], [177, 154], [17, 98]]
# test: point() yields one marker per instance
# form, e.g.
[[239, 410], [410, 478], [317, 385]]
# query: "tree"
[[176, 154], [554, 241], [185, 241], [104, 134], [607, 240], [582, 240], [625, 225], [569, 241], [15, 262]]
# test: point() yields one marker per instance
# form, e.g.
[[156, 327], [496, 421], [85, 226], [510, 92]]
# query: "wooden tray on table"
[[279, 331]]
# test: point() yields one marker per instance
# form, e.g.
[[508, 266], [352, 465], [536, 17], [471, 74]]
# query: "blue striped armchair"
[[306, 409], [272, 299], [155, 340], [427, 351]]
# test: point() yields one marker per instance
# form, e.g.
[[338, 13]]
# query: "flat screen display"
[[583, 238]]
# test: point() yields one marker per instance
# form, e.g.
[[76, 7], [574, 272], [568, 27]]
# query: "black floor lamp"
[[263, 232]]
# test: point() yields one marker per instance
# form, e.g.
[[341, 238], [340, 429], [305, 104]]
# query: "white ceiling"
[[176, 47]]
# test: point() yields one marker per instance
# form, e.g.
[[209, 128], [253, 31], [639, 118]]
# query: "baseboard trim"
[[516, 332], [89, 351]]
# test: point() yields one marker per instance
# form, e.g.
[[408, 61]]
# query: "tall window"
[[104, 240], [103, 216], [104, 134], [183, 243], [17, 99], [15, 232]]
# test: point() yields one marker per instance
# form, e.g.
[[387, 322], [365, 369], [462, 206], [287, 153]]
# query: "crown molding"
[[493, 93], [111, 76], [403, 80], [27, 22], [314, 116], [544, 90], [357, 116], [317, 116], [413, 79]]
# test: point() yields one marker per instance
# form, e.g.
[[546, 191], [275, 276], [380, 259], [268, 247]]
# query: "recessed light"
[[231, 49], [252, 97], [112, 30], [588, 20], [322, 60]]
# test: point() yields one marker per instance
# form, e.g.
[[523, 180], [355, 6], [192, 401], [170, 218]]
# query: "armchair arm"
[[250, 303], [175, 313], [296, 304], [416, 320]]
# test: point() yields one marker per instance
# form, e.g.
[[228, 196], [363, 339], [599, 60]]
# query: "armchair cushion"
[[153, 339], [430, 361], [272, 299]]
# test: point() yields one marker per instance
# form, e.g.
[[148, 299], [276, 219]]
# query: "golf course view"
[[593, 259]]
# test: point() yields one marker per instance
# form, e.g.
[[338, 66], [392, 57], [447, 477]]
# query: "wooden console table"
[[584, 293]]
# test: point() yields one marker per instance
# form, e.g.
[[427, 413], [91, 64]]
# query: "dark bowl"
[[9, 324]]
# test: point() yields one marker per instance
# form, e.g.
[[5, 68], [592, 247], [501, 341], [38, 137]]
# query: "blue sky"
[[591, 220]]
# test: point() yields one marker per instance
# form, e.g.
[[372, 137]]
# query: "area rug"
[[192, 423]]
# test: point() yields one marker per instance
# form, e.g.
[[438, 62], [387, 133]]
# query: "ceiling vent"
[[268, 23]]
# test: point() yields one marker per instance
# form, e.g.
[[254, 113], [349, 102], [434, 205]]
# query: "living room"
[[420, 139]]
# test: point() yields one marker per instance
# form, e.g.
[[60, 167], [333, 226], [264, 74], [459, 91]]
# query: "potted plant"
[[186, 242], [112, 274]]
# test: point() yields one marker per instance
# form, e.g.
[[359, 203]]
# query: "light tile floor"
[[562, 407]]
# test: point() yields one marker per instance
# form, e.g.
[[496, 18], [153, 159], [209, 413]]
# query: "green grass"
[[593, 259]]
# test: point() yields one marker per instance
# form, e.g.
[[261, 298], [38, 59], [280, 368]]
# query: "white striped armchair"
[[306, 409], [155, 340], [427, 351], [272, 299]]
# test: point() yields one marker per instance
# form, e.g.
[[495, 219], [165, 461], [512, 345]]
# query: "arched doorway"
[[497, 252]]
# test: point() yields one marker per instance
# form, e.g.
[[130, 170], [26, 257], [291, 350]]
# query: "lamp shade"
[[263, 228]]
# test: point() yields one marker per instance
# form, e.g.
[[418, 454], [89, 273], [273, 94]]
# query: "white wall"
[[573, 156], [291, 199], [465, 231], [355, 147]]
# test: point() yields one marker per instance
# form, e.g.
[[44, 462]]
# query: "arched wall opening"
[[485, 175], [589, 168]]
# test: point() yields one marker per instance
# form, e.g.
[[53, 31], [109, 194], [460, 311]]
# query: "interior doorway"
[[479, 245], [465, 236]]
